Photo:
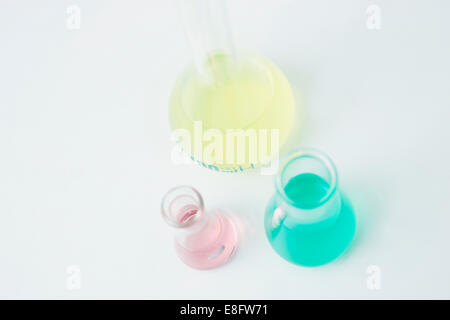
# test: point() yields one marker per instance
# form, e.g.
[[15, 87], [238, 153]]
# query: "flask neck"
[[307, 190], [182, 208], [208, 32], [297, 215]]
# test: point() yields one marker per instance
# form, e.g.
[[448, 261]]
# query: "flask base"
[[212, 246], [314, 245]]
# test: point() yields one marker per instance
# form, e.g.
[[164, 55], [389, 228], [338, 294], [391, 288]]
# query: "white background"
[[85, 149]]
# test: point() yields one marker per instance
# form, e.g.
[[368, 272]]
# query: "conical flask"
[[308, 221], [202, 240]]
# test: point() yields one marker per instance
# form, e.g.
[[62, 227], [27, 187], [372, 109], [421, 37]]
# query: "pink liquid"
[[209, 245]]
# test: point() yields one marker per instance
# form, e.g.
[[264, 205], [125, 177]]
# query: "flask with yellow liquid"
[[229, 111]]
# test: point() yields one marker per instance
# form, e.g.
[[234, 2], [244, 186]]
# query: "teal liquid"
[[310, 244], [306, 190]]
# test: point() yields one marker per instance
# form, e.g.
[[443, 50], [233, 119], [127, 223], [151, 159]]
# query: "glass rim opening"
[[166, 202], [317, 155]]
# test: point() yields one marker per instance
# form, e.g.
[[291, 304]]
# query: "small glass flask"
[[202, 241], [308, 221]]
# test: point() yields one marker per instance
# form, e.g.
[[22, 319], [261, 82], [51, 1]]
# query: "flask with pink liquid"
[[202, 241]]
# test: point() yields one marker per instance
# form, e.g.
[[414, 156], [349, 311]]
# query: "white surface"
[[85, 151]]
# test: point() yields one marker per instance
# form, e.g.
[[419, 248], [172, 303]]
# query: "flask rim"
[[315, 154], [168, 217]]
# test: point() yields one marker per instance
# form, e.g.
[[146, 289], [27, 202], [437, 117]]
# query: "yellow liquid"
[[250, 94]]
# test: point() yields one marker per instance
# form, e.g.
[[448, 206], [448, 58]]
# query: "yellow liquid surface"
[[249, 94]]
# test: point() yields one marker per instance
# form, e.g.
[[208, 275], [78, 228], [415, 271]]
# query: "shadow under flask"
[[202, 241], [308, 221]]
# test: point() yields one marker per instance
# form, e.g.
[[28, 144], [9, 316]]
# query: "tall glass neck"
[[207, 29], [306, 186]]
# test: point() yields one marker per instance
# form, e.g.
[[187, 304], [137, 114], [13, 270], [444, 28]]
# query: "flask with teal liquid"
[[308, 221]]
